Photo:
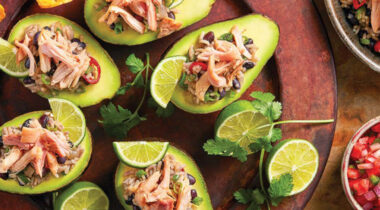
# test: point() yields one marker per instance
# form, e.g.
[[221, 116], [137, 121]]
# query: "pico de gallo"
[[364, 170]]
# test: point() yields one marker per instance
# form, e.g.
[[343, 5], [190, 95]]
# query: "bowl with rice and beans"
[[358, 25]]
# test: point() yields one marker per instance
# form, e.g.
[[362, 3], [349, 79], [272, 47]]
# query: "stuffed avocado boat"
[[223, 59], [133, 22], [38, 156], [174, 182], [63, 60]]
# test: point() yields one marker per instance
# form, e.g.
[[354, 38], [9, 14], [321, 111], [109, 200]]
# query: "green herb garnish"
[[365, 41], [161, 112], [140, 173], [212, 96], [197, 201], [118, 28], [45, 79], [175, 177], [227, 37]]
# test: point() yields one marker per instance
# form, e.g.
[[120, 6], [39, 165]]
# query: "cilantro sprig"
[[117, 121], [279, 187]]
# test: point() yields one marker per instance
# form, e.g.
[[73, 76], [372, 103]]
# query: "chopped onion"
[[368, 206], [371, 159], [376, 189], [364, 153], [370, 196], [375, 147], [377, 154], [365, 166]]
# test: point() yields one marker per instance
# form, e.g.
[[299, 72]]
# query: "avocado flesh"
[[191, 168], [51, 183], [265, 35], [187, 14], [109, 81]]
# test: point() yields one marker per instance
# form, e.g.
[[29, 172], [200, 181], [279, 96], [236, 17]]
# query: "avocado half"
[[191, 168], [109, 81], [187, 14], [51, 183], [262, 30]]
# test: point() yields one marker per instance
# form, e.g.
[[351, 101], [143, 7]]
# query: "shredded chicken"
[[135, 13]]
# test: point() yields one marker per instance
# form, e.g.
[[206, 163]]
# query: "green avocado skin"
[[51, 183], [191, 168], [262, 30], [109, 81], [187, 14]]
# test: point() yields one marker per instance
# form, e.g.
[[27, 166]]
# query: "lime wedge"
[[140, 154], [8, 60], [82, 196], [294, 156], [71, 117], [241, 123], [165, 78]]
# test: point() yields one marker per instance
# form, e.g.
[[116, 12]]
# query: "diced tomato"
[[358, 3], [361, 199], [378, 202], [361, 187], [352, 182], [376, 128], [357, 150], [353, 173]]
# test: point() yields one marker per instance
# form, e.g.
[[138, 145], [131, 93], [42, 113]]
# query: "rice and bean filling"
[[165, 184], [37, 148], [139, 15], [364, 17], [216, 67], [56, 59]]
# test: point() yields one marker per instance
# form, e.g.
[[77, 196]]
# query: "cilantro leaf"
[[140, 173], [118, 28], [225, 147], [275, 134], [258, 197], [161, 112], [134, 64], [261, 143], [265, 97], [123, 89], [118, 121], [243, 196], [227, 37], [197, 201], [280, 187], [275, 110], [254, 206]]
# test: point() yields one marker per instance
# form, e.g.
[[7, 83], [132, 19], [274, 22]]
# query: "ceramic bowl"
[[347, 35], [346, 160]]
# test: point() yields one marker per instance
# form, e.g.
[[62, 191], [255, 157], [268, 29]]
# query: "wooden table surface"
[[358, 102]]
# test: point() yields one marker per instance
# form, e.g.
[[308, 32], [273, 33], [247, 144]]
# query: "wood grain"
[[303, 79]]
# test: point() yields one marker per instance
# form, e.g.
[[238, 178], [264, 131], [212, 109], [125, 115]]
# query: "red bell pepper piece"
[[358, 3], [93, 77], [376, 128], [202, 65]]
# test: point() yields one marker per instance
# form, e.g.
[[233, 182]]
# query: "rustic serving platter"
[[301, 74]]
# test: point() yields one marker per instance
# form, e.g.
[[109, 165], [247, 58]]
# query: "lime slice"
[[174, 3], [82, 196], [165, 78], [241, 123], [140, 154], [297, 157], [8, 60], [71, 117]]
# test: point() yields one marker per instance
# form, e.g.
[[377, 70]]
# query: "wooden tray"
[[301, 74]]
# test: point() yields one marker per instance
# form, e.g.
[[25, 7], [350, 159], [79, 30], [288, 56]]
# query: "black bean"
[[82, 45], [37, 58], [192, 180], [27, 63], [70, 143], [222, 94], [129, 201], [248, 41], [26, 123], [61, 160], [210, 36], [194, 194], [112, 26], [75, 40], [45, 171], [44, 119], [171, 15], [372, 43], [53, 67], [47, 28], [136, 207], [352, 19], [35, 38], [210, 89], [4, 176], [236, 83], [28, 80], [1, 141], [248, 65], [368, 12], [361, 33]]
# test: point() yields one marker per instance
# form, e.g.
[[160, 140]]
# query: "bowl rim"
[[346, 158], [357, 51]]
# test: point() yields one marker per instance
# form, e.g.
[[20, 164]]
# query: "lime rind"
[[69, 115], [8, 62], [143, 147], [165, 78], [312, 165]]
